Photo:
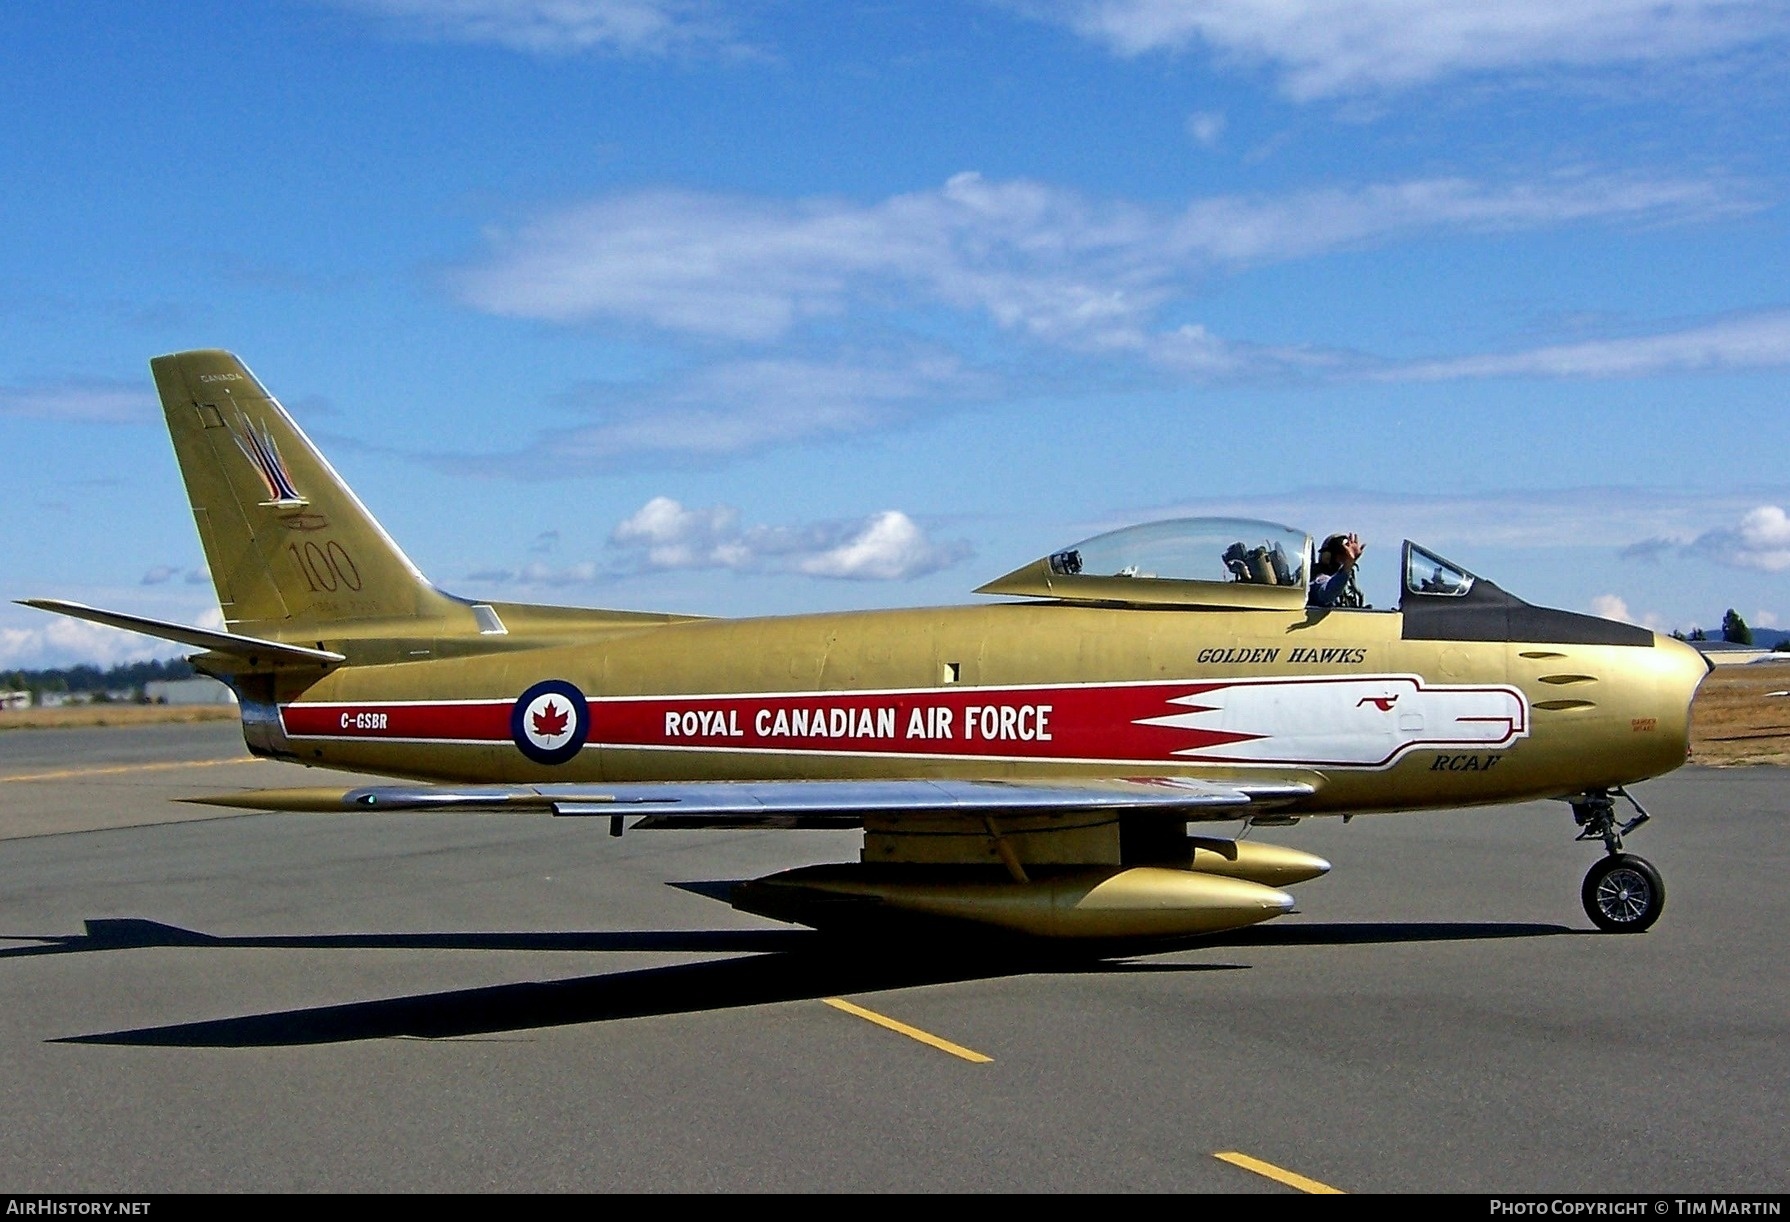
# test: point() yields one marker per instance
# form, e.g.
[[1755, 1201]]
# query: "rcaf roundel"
[[550, 722]]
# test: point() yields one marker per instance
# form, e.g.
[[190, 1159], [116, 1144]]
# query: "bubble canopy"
[[1224, 562]]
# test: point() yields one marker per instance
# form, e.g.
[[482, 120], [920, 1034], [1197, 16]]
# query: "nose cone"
[[1678, 671], [1685, 665]]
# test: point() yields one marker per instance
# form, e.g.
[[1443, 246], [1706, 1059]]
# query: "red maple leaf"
[[550, 722]]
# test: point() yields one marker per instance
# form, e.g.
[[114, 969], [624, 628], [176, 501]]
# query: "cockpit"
[[1241, 563], [1213, 562], [1216, 562], [1192, 549]]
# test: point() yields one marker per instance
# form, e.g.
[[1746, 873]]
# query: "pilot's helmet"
[[1330, 555]]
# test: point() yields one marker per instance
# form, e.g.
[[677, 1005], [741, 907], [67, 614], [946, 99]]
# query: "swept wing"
[[794, 803]]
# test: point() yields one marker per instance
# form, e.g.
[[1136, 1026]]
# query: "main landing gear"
[[1622, 893]]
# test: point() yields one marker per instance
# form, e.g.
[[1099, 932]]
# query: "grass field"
[[1735, 719], [76, 715]]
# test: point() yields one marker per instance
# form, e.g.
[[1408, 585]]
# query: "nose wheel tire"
[[1623, 894]]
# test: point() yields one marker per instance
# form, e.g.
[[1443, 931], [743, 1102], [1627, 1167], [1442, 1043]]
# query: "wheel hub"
[[1623, 895]]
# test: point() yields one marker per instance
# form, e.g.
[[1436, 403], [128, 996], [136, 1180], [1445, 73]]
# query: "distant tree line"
[[1736, 631], [85, 678]]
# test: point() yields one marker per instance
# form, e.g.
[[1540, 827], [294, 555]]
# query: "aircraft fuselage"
[[1020, 689]]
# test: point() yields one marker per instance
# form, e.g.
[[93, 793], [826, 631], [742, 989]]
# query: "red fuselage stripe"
[[1070, 722]]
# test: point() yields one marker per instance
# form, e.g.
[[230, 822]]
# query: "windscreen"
[[1428, 573]]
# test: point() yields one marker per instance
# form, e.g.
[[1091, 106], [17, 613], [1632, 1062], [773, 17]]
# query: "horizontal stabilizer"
[[217, 641], [784, 803]]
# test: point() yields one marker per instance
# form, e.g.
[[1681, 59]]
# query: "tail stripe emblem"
[[258, 447]]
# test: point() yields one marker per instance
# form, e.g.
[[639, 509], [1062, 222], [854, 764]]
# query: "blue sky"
[[759, 307]]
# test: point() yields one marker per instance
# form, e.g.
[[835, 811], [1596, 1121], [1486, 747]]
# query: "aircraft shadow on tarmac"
[[766, 967]]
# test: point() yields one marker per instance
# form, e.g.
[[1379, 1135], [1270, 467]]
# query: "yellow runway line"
[[1291, 1179], [120, 769], [912, 1033]]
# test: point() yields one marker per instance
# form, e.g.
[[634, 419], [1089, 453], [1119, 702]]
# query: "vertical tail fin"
[[293, 552]]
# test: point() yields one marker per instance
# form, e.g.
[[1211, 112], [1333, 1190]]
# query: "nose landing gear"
[[1622, 893]]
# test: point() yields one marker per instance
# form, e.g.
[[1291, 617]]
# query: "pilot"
[[1333, 576]]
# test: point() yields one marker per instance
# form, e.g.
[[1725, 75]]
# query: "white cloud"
[[664, 535], [1611, 607], [1246, 229], [1196, 352], [1337, 47], [1205, 126], [888, 546], [1761, 540], [1029, 256], [1096, 280], [31, 639], [560, 27], [536, 573], [1585, 517], [1751, 341], [1764, 619], [91, 400], [1034, 260], [68, 642], [735, 407]]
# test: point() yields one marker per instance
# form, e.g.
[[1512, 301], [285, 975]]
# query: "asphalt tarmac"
[[198, 1000]]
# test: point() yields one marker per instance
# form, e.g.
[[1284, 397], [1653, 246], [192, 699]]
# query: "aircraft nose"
[[1679, 671], [1689, 664]]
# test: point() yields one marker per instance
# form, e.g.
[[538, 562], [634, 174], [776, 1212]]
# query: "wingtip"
[[281, 801]]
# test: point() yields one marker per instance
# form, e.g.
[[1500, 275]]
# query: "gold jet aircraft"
[[1029, 765]]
